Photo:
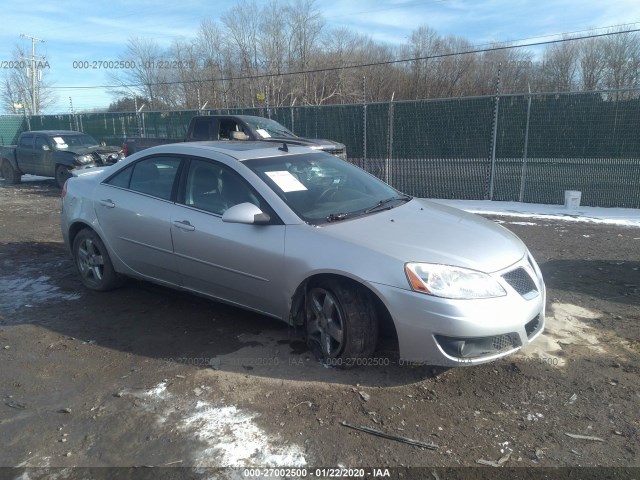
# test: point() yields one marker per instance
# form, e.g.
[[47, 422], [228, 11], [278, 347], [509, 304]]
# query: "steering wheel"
[[328, 194]]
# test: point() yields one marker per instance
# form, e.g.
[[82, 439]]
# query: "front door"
[[43, 157], [238, 263]]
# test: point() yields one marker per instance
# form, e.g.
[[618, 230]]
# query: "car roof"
[[239, 150], [231, 115], [57, 132]]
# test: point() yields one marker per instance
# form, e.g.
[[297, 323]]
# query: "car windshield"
[[63, 142], [321, 188], [269, 128]]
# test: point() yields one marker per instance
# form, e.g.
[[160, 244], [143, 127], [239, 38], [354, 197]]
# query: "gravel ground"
[[145, 376]]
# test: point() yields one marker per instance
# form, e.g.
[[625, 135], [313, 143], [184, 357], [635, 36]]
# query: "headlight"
[[84, 159], [452, 282]]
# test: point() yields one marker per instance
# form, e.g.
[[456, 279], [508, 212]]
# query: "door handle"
[[107, 203], [184, 225]]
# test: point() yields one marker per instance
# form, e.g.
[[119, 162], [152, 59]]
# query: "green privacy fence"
[[527, 148]]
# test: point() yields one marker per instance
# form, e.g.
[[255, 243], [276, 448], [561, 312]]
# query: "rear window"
[[26, 141], [153, 176]]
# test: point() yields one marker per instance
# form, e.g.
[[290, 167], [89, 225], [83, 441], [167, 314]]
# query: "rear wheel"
[[63, 173], [342, 326], [93, 262], [11, 176]]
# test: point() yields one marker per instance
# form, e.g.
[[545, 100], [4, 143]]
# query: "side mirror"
[[45, 148], [103, 144], [246, 213]]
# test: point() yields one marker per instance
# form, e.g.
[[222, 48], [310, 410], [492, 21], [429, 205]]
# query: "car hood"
[[423, 231], [98, 150]]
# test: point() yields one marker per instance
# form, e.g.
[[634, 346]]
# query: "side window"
[[226, 129], [202, 188], [26, 141], [155, 176], [215, 188], [234, 190], [202, 130], [41, 142], [122, 178]]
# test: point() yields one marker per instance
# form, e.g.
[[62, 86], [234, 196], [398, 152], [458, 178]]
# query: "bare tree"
[[273, 42], [593, 63], [145, 77], [16, 87], [243, 29], [216, 60], [305, 25], [622, 52], [423, 42], [560, 66]]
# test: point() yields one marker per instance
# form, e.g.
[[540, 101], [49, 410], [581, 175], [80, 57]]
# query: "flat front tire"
[[93, 263], [11, 176], [342, 325]]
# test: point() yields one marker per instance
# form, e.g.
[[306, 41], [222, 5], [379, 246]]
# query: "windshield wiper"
[[333, 217], [382, 204]]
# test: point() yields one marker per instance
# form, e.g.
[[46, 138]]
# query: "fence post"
[[387, 163], [523, 174], [364, 121], [494, 139]]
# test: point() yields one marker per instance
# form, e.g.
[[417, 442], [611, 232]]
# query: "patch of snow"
[[563, 325], [235, 441], [229, 436], [610, 216], [23, 291], [159, 391]]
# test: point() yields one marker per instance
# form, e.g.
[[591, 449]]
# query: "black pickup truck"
[[54, 153], [237, 127]]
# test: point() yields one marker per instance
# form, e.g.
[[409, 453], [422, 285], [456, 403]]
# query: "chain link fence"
[[520, 147]]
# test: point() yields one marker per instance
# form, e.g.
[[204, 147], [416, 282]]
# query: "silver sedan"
[[310, 239]]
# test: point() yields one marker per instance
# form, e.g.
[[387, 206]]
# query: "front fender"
[[66, 159]]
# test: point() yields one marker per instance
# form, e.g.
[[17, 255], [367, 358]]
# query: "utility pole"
[[34, 100]]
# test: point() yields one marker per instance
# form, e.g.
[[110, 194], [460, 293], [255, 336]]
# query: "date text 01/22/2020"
[[316, 472]]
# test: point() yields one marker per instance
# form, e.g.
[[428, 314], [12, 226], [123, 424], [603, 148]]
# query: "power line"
[[505, 42], [350, 67]]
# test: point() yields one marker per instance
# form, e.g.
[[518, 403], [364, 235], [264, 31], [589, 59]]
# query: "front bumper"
[[451, 333]]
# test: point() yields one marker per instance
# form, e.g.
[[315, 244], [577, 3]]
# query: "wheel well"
[[386, 326], [75, 229]]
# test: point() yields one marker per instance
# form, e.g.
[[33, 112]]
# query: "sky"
[[80, 31]]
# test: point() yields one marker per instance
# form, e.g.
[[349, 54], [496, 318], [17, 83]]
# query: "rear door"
[[133, 208], [241, 264]]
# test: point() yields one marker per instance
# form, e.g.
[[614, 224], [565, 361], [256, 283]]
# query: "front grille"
[[500, 342], [521, 281], [460, 347], [533, 326]]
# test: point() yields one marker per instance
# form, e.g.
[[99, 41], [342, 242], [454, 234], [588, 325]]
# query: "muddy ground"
[[145, 376]]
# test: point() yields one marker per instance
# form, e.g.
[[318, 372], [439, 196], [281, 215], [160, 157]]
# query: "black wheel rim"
[[90, 262], [325, 322], [62, 174]]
